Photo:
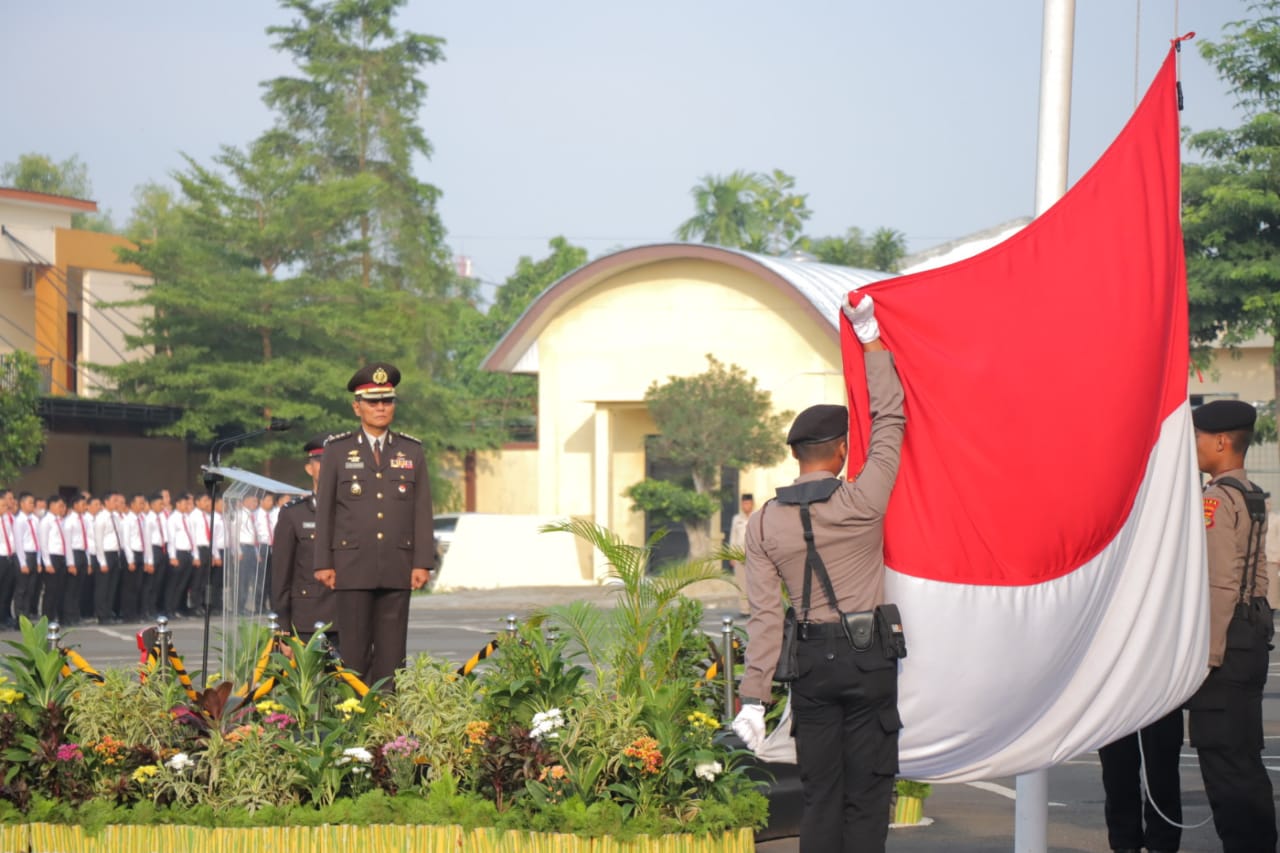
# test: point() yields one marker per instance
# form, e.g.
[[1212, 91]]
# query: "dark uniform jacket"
[[848, 530], [298, 599], [373, 521]]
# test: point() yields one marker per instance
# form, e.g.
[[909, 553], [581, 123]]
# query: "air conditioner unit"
[[29, 280]]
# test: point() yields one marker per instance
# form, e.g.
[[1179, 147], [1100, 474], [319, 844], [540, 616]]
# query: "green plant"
[[908, 788], [527, 675]]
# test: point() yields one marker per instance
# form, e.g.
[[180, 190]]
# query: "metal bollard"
[[726, 653], [511, 624], [54, 636], [553, 634], [273, 622], [162, 636]]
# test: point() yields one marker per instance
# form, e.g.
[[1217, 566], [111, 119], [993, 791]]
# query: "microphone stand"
[[212, 480]]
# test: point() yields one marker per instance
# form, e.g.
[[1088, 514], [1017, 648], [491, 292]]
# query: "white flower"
[[545, 724], [179, 762], [708, 770], [355, 753]]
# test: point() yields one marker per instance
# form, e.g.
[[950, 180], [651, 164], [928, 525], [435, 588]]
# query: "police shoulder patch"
[[338, 437], [409, 437], [1210, 509]]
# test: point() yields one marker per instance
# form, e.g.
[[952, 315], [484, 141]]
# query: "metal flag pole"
[[1031, 809]]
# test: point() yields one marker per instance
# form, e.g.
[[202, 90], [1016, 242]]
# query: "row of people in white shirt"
[[102, 530]]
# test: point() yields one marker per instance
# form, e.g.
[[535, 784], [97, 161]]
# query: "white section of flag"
[[1002, 680]]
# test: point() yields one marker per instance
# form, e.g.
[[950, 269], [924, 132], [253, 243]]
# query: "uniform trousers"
[[8, 581], [87, 582], [26, 594], [130, 593], [845, 706], [1126, 807], [175, 585], [55, 583], [71, 590], [154, 582], [373, 629], [106, 586], [1225, 724], [200, 576]]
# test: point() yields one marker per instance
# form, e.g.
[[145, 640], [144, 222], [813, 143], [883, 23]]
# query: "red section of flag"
[[1038, 373]]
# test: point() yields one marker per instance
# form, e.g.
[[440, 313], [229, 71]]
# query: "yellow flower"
[[145, 772], [268, 706], [700, 720], [349, 707], [8, 695], [477, 731]]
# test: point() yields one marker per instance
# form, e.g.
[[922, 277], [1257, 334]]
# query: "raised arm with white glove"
[[862, 316]]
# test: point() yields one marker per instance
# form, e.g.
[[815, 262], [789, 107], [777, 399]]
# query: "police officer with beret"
[[845, 700], [374, 538], [1225, 714], [299, 600]]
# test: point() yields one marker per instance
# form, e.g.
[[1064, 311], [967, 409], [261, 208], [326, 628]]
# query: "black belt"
[[819, 630]]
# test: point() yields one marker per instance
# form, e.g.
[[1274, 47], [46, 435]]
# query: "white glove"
[[749, 725], [863, 319]]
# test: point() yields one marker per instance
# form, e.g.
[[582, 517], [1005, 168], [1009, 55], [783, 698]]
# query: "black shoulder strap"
[[1255, 504], [804, 494]]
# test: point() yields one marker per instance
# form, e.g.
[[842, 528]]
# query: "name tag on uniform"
[[351, 464], [307, 525], [400, 462]]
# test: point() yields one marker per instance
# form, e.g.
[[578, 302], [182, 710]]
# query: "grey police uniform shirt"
[[1226, 533], [848, 531]]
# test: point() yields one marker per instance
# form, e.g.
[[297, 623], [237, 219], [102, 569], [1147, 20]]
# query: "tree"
[[1231, 200], [717, 419], [727, 212], [884, 251], [42, 174], [22, 438]]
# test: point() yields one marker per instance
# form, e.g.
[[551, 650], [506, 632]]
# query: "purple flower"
[[69, 752], [401, 746], [280, 720]]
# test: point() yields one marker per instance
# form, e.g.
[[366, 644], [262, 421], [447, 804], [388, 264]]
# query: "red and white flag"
[[1045, 538]]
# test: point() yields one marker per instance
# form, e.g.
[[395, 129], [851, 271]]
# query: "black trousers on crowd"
[[54, 584], [26, 594], [1126, 808], [175, 585], [130, 593], [153, 583], [1225, 724], [8, 581], [87, 581], [200, 580], [373, 630], [107, 586], [71, 589], [845, 706]]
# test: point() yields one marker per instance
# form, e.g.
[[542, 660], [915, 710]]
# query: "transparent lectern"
[[242, 599]]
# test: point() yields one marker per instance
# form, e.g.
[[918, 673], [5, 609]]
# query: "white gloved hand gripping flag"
[[1045, 537]]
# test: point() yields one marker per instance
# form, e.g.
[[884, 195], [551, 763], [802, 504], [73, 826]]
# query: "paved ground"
[[967, 818]]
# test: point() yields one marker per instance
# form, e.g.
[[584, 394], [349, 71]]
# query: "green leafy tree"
[[884, 250], [42, 174], [717, 419], [747, 210], [1231, 213], [782, 214], [22, 437]]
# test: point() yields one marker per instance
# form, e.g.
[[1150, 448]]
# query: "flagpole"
[[1057, 39]]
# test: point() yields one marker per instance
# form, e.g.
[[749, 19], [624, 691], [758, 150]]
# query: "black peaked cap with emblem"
[[315, 446], [1224, 416], [375, 381], [820, 423]]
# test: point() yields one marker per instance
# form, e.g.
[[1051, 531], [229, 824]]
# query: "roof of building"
[[818, 288], [35, 199]]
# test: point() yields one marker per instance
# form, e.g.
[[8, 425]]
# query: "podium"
[[241, 600]]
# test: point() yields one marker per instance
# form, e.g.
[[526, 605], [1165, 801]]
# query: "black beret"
[[747, 496], [375, 381], [315, 446], [820, 423], [1224, 416]]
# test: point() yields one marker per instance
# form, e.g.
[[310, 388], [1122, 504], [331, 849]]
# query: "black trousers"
[[106, 586], [8, 581], [1126, 808], [87, 582], [373, 630], [175, 585], [845, 705], [1225, 724], [26, 594], [71, 589], [200, 575], [153, 583], [131, 581], [55, 583]]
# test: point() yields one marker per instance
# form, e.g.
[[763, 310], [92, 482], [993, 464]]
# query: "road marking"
[[454, 626], [1001, 790], [108, 632]]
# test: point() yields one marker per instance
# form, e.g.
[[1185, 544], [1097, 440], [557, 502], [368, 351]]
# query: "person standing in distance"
[[299, 600], [1225, 714], [374, 536], [845, 700], [738, 539]]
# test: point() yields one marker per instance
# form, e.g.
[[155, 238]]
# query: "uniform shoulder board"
[[409, 437], [297, 499], [338, 437]]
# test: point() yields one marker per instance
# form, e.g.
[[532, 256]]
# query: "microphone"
[[280, 425]]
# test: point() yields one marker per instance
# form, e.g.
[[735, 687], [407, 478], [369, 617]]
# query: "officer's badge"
[[403, 488], [355, 489], [1210, 507], [400, 461], [380, 376]]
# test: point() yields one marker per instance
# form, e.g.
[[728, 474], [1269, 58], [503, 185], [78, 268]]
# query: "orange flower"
[[645, 751], [477, 731]]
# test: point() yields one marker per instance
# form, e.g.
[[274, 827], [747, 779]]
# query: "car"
[[445, 524]]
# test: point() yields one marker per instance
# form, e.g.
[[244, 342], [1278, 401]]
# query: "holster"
[[892, 637], [860, 628]]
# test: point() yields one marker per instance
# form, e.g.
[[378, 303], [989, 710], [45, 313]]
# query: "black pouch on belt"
[[889, 624], [860, 628]]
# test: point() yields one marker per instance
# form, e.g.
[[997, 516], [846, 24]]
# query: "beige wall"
[[137, 464], [601, 352], [102, 330], [18, 309], [506, 481], [1248, 373]]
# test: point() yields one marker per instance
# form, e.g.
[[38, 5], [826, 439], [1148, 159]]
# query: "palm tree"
[[728, 210]]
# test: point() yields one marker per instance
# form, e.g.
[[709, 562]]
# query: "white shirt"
[[181, 534], [198, 524], [105, 525], [90, 543], [76, 531], [8, 536], [53, 537], [28, 538], [135, 534]]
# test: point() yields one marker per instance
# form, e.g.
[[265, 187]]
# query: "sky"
[[594, 120]]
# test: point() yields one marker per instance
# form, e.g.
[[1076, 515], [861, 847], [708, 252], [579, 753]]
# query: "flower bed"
[[601, 729]]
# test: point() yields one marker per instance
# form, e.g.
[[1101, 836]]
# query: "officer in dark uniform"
[[845, 699], [1225, 714], [374, 538], [299, 600]]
